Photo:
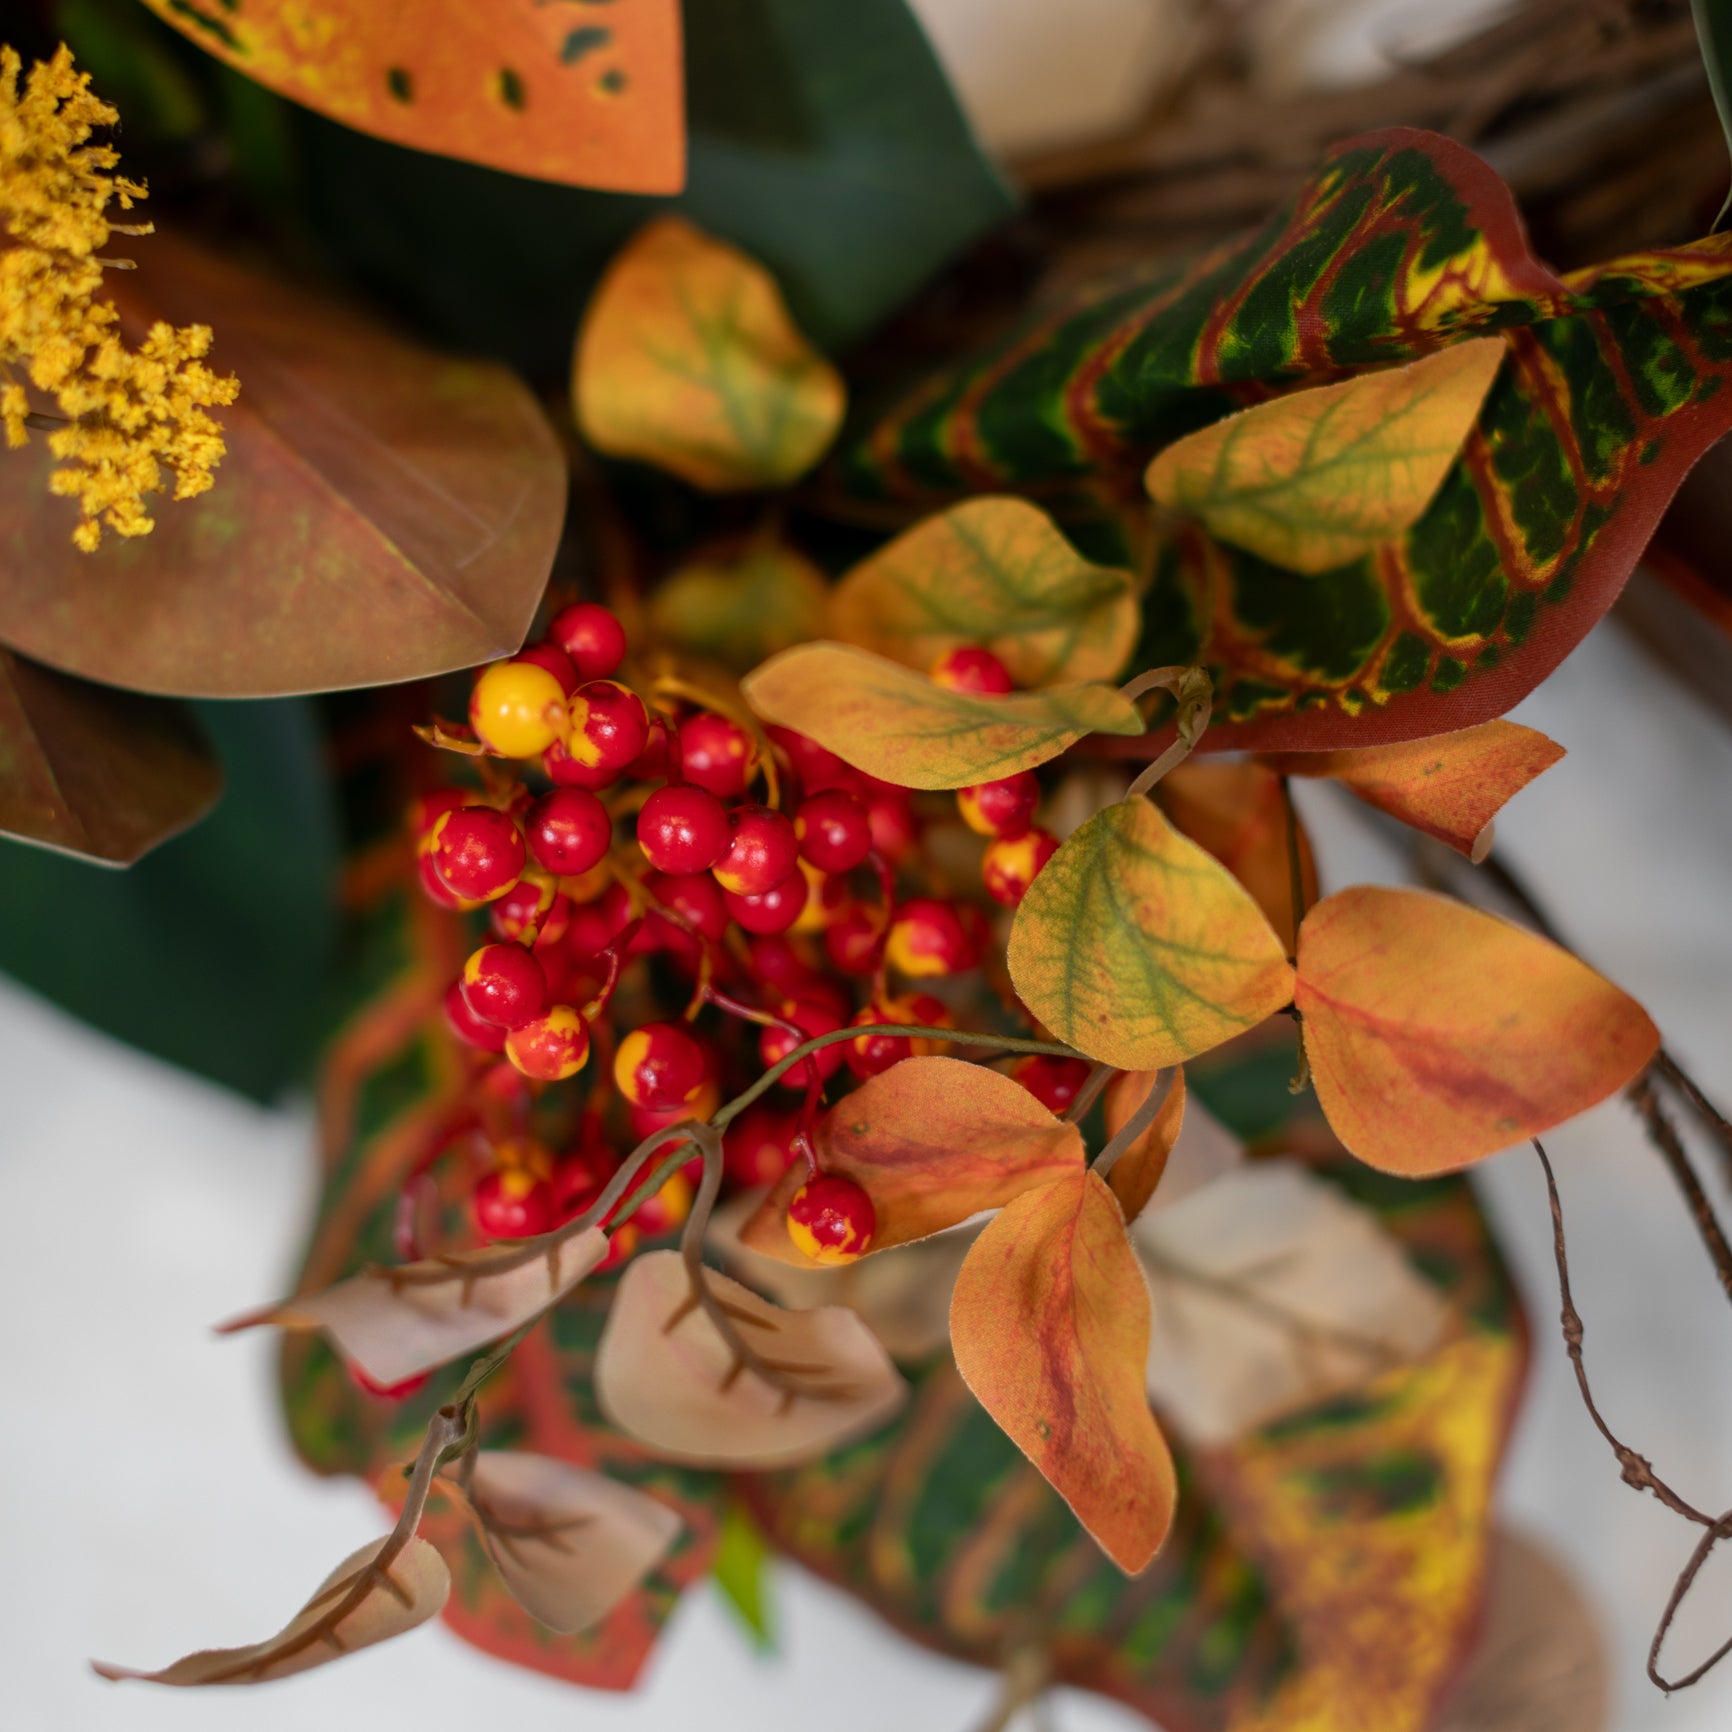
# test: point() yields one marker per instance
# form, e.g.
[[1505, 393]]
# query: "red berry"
[[467, 1026], [775, 910], [556, 661], [1012, 863], [595, 925], [834, 830], [425, 810], [758, 1145], [870, 1054], [694, 896], [1054, 1082], [761, 851], [682, 829], [531, 905], [385, 1391], [774, 1044], [511, 1203], [702, 1105], [504, 984], [550, 1047], [1001, 808], [894, 830], [667, 1209], [716, 754], [854, 940], [433, 887], [928, 937], [970, 668], [814, 766], [609, 729], [831, 1219], [660, 1065], [477, 852], [569, 831], [579, 1177], [591, 636], [652, 763]]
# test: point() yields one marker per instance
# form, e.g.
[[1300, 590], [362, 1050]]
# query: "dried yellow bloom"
[[129, 413]]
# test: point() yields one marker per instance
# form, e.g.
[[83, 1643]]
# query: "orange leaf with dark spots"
[[1050, 1326], [931, 1141], [1450, 787], [1135, 1173], [1438, 1034]]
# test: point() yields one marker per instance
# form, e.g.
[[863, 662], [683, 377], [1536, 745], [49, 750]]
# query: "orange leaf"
[[1140, 949], [1438, 1034], [1450, 787], [931, 1141], [1050, 1324], [1136, 1173], [1236, 812], [517, 85]]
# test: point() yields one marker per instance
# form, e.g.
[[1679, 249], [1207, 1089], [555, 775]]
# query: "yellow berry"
[[516, 709]]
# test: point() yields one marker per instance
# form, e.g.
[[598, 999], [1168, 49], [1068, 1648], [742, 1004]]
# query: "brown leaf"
[[383, 513], [790, 1386], [569, 1544], [357, 1605], [398, 1322], [100, 774], [1139, 1169]]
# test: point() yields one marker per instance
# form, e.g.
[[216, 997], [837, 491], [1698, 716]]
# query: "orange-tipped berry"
[[928, 938], [1012, 863], [532, 904], [832, 1219], [517, 709], [550, 1047], [660, 1065], [761, 851], [609, 728], [504, 984], [477, 852], [970, 668], [1001, 808]]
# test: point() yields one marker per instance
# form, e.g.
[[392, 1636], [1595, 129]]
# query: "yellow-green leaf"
[[1140, 949], [688, 359], [892, 722], [996, 572], [738, 610], [1318, 478]]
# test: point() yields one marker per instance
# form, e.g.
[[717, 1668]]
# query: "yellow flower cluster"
[[128, 413]]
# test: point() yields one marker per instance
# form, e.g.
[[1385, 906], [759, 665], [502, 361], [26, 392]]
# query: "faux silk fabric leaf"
[[1136, 1173], [931, 1141], [93, 772], [383, 513], [894, 723], [1050, 1326], [688, 359], [1320, 477], [1139, 949], [996, 572], [1450, 788], [587, 97], [1438, 1034]]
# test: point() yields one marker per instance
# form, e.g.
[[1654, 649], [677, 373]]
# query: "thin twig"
[[1136, 1125], [1098, 1078], [1663, 1134]]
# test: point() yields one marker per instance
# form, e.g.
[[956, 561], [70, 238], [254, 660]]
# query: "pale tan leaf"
[[396, 1323], [1272, 1291], [789, 1387], [1205, 1150], [357, 1605]]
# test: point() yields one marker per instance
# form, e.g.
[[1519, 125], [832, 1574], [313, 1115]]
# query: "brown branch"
[[1663, 1134]]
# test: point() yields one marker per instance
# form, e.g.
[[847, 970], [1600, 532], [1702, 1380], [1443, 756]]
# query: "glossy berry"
[[970, 668], [928, 938], [761, 851], [758, 1145], [1001, 808], [385, 1391], [870, 1054], [776, 961], [1012, 863], [591, 636], [425, 810], [516, 709], [504, 984], [555, 660], [434, 887], [854, 940], [702, 1105], [660, 1065], [774, 1044], [814, 766], [511, 1203], [682, 829], [568, 831], [665, 1212], [595, 925], [834, 830], [477, 852], [826, 897], [1054, 1082], [531, 905], [550, 1047], [894, 830], [716, 754], [775, 910], [831, 1219], [467, 1026], [694, 896], [609, 729]]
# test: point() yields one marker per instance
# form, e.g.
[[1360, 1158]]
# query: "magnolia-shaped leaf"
[[1439, 1034], [1236, 812], [1317, 478], [588, 95], [1140, 949], [790, 1386], [996, 572], [90, 771], [1272, 1292], [569, 1544], [931, 1141], [396, 1323], [894, 723], [1050, 1325], [738, 611], [1450, 787], [688, 359], [1139, 1169], [384, 513], [360, 1603]]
